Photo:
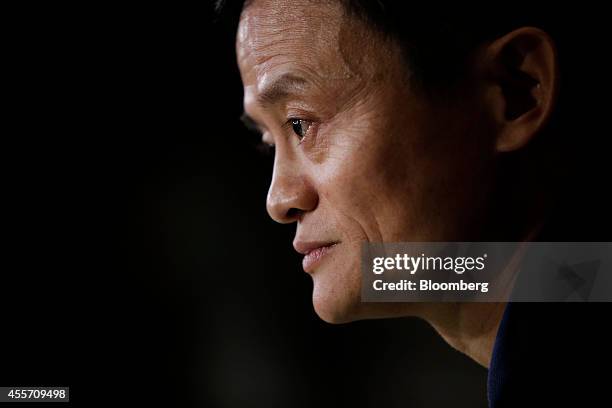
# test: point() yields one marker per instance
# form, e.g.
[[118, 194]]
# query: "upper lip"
[[305, 247]]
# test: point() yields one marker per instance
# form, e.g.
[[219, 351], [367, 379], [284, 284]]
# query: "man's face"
[[360, 155]]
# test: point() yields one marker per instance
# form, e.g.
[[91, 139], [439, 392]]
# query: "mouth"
[[314, 253]]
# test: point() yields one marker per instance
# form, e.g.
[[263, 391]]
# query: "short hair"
[[435, 40]]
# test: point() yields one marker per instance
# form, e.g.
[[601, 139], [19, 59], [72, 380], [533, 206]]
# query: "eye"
[[300, 127]]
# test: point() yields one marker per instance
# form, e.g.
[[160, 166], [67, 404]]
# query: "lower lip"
[[314, 257]]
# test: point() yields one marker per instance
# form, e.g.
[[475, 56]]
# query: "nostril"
[[293, 213]]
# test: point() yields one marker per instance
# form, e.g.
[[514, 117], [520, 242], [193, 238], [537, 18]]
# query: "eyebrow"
[[278, 89], [281, 87]]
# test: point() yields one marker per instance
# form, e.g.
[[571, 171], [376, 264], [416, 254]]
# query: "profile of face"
[[361, 154]]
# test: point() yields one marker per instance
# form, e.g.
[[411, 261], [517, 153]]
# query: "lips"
[[313, 252]]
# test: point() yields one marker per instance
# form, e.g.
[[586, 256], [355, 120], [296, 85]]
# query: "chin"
[[331, 312], [336, 300]]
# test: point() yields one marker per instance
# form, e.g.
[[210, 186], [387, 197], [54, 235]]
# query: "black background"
[[139, 262]]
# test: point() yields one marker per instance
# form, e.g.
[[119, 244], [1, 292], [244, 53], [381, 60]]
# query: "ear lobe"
[[525, 75]]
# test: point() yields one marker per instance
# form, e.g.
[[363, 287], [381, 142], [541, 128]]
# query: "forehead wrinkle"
[[275, 22], [272, 40], [269, 26]]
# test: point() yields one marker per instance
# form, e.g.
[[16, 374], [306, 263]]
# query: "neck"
[[471, 328]]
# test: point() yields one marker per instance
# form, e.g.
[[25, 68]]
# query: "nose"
[[290, 194]]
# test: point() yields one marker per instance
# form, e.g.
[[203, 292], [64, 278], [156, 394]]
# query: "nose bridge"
[[289, 194]]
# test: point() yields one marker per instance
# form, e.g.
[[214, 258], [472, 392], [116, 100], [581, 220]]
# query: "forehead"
[[315, 37]]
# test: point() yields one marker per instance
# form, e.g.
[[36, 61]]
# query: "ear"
[[522, 85]]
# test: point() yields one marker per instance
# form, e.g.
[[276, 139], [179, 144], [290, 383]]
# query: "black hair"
[[436, 41]]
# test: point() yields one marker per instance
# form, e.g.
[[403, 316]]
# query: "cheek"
[[387, 182], [350, 195], [396, 177], [346, 211]]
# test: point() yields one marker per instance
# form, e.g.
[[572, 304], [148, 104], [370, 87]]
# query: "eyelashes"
[[299, 128]]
